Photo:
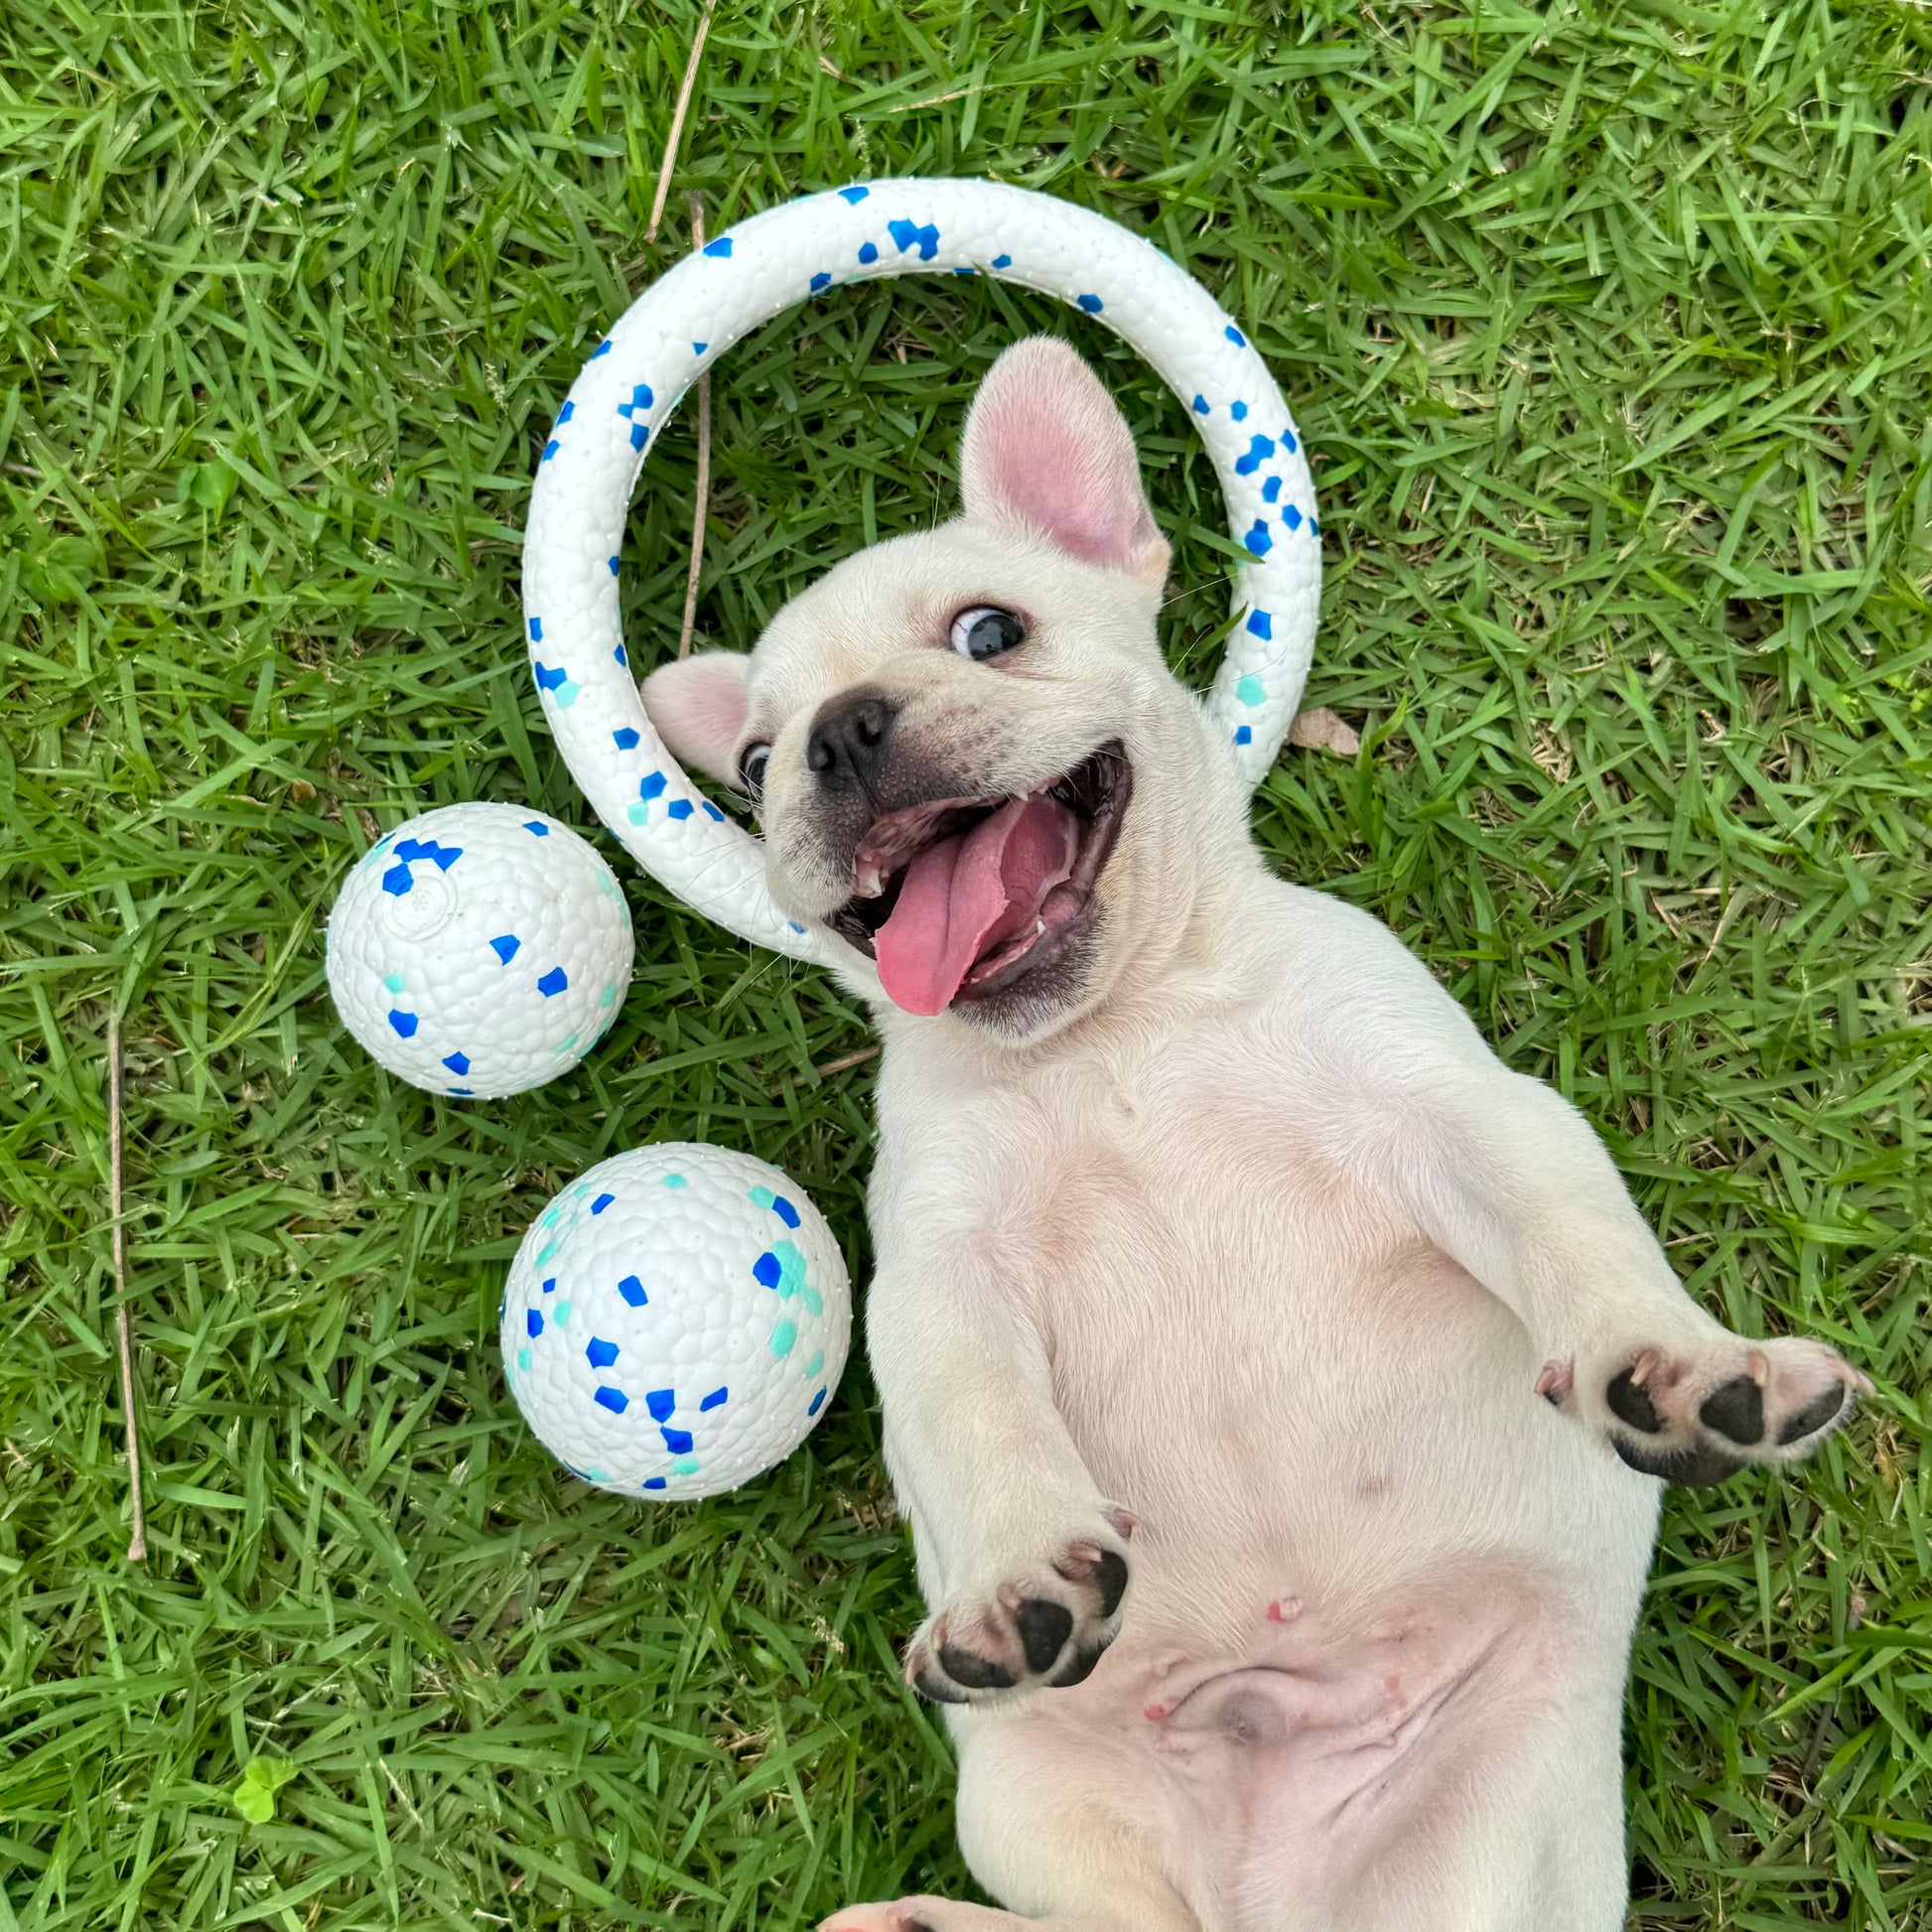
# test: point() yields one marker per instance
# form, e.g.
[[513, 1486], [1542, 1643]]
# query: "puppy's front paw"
[[893, 1916], [1043, 1625], [1698, 1414]]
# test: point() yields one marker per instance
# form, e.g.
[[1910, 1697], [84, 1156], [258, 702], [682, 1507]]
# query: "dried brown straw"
[[137, 1546], [677, 123]]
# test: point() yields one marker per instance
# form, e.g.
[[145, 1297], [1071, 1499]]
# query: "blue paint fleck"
[[1260, 624], [625, 739], [504, 946], [1092, 304], [677, 1440], [639, 435], [1235, 335], [566, 413], [818, 1401], [1200, 405], [908, 234], [614, 1400], [536, 631], [821, 281], [602, 349], [553, 982], [722, 247], [965, 271], [679, 808], [660, 1403], [532, 1323], [1288, 440], [1259, 450], [854, 194], [767, 1271], [398, 881], [601, 1353], [711, 811], [456, 1062], [613, 561], [866, 252], [698, 348], [619, 656], [464, 1094], [536, 828], [602, 1202], [1243, 735], [652, 786], [1258, 541], [549, 679], [654, 1482], [1239, 411], [714, 1398], [1002, 261], [550, 1284], [785, 1210], [632, 1291], [1271, 490], [404, 1022], [1292, 517], [549, 450]]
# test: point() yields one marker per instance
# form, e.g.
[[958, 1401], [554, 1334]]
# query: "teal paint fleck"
[[791, 1268], [523, 1360], [782, 1339], [760, 1197], [544, 1252], [561, 1314], [685, 1466], [566, 1046], [639, 814], [674, 1180], [813, 1300], [1250, 691], [566, 693], [595, 1476], [816, 1363], [609, 995], [393, 981]]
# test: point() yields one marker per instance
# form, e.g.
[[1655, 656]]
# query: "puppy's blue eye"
[[984, 632], [751, 769]]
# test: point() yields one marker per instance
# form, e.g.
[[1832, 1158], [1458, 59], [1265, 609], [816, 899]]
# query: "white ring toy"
[[691, 314]]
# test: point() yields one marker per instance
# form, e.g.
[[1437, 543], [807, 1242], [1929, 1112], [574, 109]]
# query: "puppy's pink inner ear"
[[698, 706], [1045, 448]]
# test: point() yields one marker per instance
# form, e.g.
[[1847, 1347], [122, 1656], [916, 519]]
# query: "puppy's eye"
[[751, 769], [984, 632]]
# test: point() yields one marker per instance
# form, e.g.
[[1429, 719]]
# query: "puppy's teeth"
[[1040, 927]]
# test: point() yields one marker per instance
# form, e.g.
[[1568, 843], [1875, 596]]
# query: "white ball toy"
[[480, 950], [675, 1321]]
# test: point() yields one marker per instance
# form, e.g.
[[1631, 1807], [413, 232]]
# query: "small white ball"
[[480, 950], [675, 1321]]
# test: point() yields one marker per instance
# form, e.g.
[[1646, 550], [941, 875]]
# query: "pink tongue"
[[982, 885]]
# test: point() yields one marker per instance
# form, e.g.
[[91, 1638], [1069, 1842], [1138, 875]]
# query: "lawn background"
[[1609, 325]]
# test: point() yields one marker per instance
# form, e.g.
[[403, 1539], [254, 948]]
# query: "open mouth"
[[959, 898]]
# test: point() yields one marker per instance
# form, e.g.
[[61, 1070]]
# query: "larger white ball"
[[675, 1321], [479, 949]]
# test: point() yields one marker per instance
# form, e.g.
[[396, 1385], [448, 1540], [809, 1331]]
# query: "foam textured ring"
[[802, 250]]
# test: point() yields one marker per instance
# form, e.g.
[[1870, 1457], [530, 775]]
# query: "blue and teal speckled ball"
[[675, 1321], [480, 950]]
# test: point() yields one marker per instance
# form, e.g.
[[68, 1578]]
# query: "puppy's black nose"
[[850, 739]]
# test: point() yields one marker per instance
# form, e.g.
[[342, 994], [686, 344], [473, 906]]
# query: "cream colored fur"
[[1245, 1264]]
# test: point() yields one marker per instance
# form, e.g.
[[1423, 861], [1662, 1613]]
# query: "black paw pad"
[[1695, 1467], [931, 1686], [1814, 1416], [1737, 1410], [1045, 1627], [1110, 1579], [1632, 1405], [973, 1672], [1078, 1668]]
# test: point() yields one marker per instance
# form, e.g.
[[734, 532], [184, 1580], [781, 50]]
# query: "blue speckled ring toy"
[[689, 317]]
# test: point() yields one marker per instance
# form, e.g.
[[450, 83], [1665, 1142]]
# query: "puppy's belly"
[[1344, 1749]]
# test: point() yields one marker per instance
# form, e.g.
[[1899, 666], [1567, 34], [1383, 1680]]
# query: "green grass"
[[1611, 324]]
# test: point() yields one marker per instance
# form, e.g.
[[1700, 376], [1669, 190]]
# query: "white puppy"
[[1278, 1386]]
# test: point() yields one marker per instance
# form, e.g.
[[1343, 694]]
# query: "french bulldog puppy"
[[1279, 1388]]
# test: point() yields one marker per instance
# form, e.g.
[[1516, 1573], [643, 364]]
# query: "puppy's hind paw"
[[1697, 1415], [1044, 1625]]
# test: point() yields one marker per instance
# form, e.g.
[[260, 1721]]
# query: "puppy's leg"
[[1508, 1179], [1043, 1824], [1023, 1560]]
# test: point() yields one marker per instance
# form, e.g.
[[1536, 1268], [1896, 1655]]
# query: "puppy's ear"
[[698, 706], [1045, 449]]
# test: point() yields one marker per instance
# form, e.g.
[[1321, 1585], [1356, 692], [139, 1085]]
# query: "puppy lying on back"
[[1279, 1388]]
